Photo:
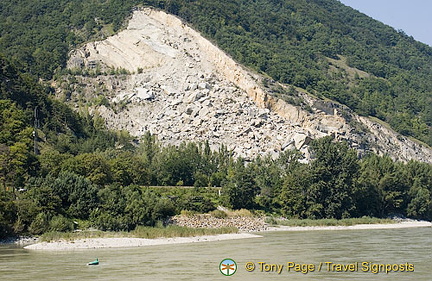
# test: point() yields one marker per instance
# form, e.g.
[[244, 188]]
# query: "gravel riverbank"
[[244, 224], [97, 243]]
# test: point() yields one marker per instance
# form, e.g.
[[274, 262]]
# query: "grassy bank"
[[328, 222], [139, 232], [179, 231]]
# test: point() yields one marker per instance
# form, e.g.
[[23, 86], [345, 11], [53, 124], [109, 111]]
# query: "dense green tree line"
[[337, 185], [108, 189]]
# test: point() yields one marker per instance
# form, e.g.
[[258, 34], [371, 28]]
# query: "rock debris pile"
[[244, 224], [182, 88], [207, 109]]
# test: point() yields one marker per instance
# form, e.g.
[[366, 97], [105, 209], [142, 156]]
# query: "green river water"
[[341, 254]]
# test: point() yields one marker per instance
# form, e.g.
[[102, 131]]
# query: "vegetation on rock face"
[[82, 172]]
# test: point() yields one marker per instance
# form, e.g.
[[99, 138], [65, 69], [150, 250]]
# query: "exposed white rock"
[[183, 88]]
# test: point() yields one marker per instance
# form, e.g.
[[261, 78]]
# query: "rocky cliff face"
[[183, 88]]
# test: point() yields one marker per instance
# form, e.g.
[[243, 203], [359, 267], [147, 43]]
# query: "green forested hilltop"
[[313, 44]]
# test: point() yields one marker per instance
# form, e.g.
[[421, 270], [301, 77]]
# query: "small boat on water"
[[95, 262]]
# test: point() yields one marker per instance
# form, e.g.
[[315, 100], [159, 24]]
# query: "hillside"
[[314, 45], [181, 87], [299, 89], [292, 41]]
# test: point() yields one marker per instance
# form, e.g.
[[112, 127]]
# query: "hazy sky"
[[414, 17]]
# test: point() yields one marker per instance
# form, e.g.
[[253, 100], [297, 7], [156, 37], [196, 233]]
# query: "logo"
[[228, 267]]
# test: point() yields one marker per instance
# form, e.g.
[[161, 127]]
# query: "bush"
[[162, 209], [60, 224], [83, 224], [241, 213], [105, 221], [124, 208], [271, 221], [188, 213], [40, 224], [219, 214], [198, 203]]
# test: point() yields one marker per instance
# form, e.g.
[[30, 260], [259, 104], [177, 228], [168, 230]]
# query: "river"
[[324, 255]]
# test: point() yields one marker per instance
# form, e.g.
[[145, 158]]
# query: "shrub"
[[188, 213], [241, 213], [40, 224], [60, 224], [218, 214], [198, 203]]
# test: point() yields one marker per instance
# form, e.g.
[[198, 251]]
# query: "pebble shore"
[[244, 224], [98, 243]]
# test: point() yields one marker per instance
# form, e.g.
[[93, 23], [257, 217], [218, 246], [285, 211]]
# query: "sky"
[[411, 16]]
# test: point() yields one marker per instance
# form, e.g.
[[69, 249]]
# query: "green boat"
[[95, 262]]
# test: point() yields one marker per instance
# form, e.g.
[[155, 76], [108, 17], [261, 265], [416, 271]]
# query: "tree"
[[332, 172], [382, 186], [15, 143], [8, 216], [294, 192], [419, 177], [239, 188], [268, 177], [93, 166], [420, 206], [51, 162], [109, 214], [124, 208], [78, 195], [178, 164], [14, 164]]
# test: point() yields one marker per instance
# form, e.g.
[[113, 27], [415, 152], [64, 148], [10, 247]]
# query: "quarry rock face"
[[181, 87]]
